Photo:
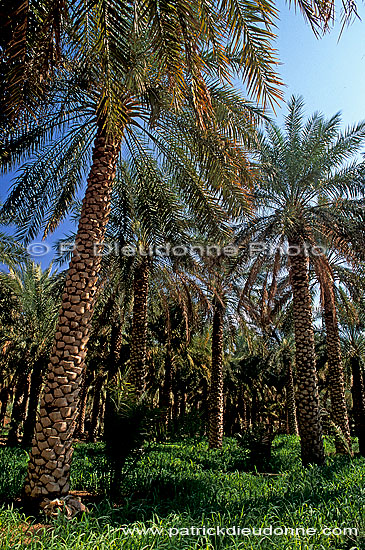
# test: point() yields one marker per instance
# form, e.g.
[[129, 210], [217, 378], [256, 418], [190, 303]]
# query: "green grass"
[[183, 484]]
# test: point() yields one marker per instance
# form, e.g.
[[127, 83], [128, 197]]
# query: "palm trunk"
[[308, 412], [96, 408], [19, 409], [215, 400], [335, 370], [80, 429], [50, 459], [165, 399], [358, 400], [177, 404], [35, 390], [243, 409], [290, 401], [139, 328]]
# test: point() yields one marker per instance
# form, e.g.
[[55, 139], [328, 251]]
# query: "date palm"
[[265, 301], [351, 313], [108, 91], [308, 194], [216, 277]]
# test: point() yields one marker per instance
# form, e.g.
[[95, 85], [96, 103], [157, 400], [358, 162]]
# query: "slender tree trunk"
[[243, 415], [80, 426], [335, 369], [19, 409], [199, 401], [308, 412], [139, 327], [215, 400], [358, 400], [229, 416], [178, 390], [102, 415], [166, 391], [35, 390], [116, 342], [50, 459], [177, 404], [290, 400], [96, 408]]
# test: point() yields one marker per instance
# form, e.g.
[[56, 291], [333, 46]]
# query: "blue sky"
[[328, 73]]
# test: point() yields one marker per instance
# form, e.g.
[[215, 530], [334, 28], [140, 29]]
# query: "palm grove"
[[122, 116]]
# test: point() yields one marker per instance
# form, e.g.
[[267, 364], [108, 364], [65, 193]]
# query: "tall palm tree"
[[334, 354], [217, 276], [307, 193], [270, 312], [215, 399], [118, 89], [351, 312]]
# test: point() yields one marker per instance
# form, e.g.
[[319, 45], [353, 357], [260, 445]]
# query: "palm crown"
[[308, 184]]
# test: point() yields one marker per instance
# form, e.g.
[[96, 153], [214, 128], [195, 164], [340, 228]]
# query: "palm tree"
[[265, 304], [217, 278], [116, 93], [351, 310], [306, 195], [334, 354], [215, 399]]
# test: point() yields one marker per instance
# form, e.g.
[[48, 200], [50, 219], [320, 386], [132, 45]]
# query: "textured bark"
[[165, 401], [335, 369], [116, 342], [290, 400], [358, 401], [231, 422], [34, 393], [18, 413], [243, 415], [308, 413], [215, 400], [178, 390], [96, 408], [139, 327], [177, 403], [80, 426], [50, 459]]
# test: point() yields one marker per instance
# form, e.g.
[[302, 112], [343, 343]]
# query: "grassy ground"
[[182, 485]]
